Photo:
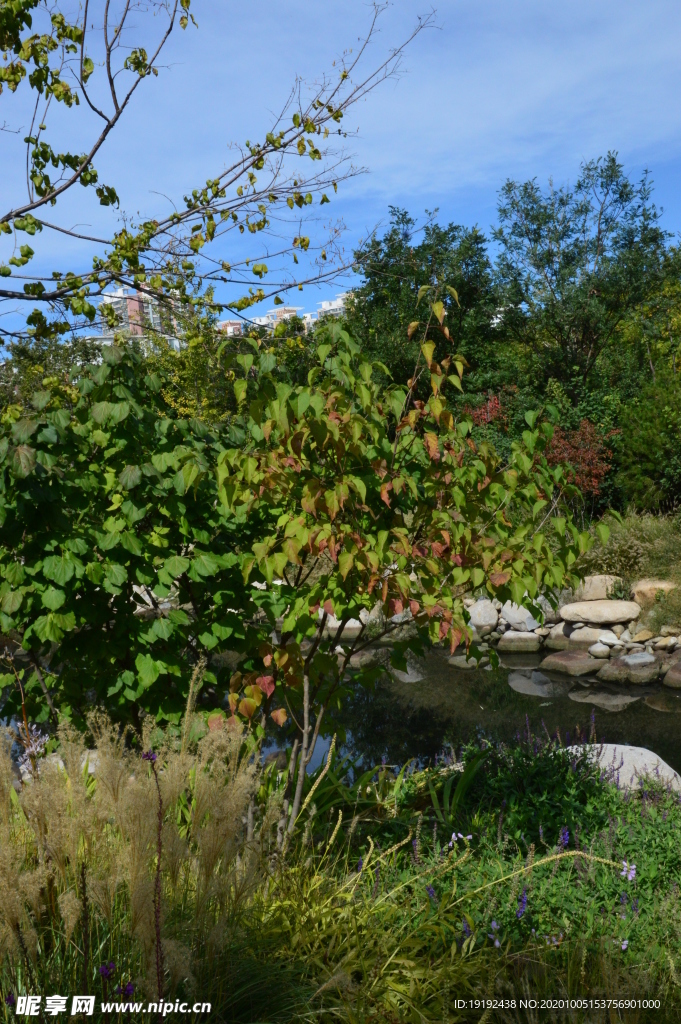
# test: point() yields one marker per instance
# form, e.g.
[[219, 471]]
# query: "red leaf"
[[498, 579], [266, 684], [328, 606]]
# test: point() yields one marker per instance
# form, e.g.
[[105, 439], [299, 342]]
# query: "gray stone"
[[618, 630], [599, 651], [519, 618], [414, 673], [484, 616], [558, 637], [460, 661], [514, 640], [569, 663], [607, 701], [536, 684], [639, 667], [597, 588], [600, 612]]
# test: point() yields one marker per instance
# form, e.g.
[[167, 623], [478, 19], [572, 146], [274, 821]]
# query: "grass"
[[375, 912], [641, 545]]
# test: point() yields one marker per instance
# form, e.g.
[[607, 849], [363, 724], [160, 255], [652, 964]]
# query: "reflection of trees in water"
[[399, 721]]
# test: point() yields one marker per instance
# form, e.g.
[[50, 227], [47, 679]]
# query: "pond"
[[435, 706]]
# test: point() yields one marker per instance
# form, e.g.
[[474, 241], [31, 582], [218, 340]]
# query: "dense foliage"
[[573, 306]]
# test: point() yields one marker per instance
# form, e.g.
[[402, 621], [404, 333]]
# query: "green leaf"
[[603, 532], [130, 477], [11, 602], [59, 568], [531, 418], [148, 669], [477, 576], [131, 543], [163, 628], [23, 462], [53, 598], [176, 565], [205, 564], [14, 574]]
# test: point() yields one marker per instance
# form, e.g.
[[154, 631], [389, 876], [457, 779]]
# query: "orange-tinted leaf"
[[247, 707], [499, 579], [279, 716]]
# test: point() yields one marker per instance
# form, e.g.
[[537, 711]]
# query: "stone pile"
[[590, 633]]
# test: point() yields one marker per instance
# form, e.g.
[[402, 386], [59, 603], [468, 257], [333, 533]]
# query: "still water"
[[438, 707]]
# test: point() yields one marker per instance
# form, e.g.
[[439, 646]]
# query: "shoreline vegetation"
[[519, 870]]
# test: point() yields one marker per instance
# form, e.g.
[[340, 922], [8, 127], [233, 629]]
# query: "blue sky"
[[499, 88]]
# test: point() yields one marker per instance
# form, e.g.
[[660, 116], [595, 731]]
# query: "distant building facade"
[[136, 313]]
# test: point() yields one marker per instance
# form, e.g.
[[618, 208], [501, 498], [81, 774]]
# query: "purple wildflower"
[[129, 989], [628, 871], [431, 893], [522, 904], [625, 944], [9, 999], [360, 865], [149, 755], [623, 898], [107, 970], [564, 837], [465, 927]]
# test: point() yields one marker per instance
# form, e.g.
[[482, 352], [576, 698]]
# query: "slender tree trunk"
[[297, 799], [281, 827], [650, 360]]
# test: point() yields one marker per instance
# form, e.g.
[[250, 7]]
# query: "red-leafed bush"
[[586, 454], [489, 412]]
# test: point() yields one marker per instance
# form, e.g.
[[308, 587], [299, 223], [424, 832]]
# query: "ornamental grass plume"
[[146, 861]]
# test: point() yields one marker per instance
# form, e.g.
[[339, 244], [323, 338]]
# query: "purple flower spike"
[[465, 927], [129, 989], [624, 945], [497, 943], [107, 970], [564, 837], [9, 999], [431, 893], [631, 875], [522, 905], [360, 865], [495, 926], [149, 755]]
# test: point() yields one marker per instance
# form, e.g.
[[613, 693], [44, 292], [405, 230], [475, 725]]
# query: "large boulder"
[[672, 677], [639, 667], [600, 612], [570, 663], [627, 766], [597, 588], [644, 592], [516, 641], [484, 616], [519, 618]]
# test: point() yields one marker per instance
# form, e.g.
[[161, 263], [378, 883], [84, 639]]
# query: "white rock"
[[460, 661], [484, 616], [600, 612], [519, 618], [596, 588], [599, 650], [497, 604], [609, 637], [628, 766]]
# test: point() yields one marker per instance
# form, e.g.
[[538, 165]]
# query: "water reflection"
[[434, 705]]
